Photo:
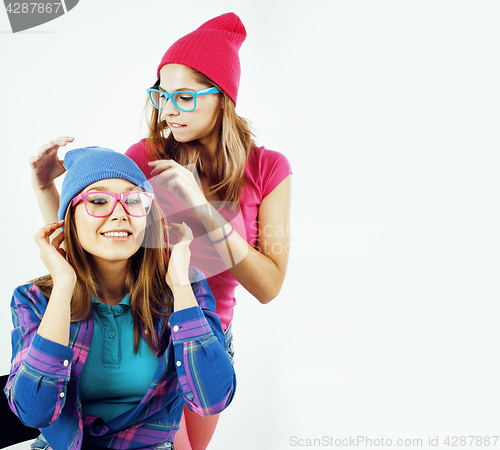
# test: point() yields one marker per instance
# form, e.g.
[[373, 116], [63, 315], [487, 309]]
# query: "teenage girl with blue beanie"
[[234, 195], [110, 346]]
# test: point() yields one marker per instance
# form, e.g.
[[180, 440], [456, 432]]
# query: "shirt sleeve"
[[205, 373], [274, 168], [40, 369]]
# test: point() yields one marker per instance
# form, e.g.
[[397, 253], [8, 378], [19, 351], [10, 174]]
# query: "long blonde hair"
[[235, 143], [150, 296]]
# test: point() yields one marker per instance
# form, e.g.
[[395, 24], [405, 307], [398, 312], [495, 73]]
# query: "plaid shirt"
[[43, 384]]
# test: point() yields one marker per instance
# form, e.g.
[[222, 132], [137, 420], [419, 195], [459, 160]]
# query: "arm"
[[261, 271], [41, 359], [40, 369], [45, 168], [206, 375], [56, 321]]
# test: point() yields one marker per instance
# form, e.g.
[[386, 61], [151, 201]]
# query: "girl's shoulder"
[[138, 152], [263, 155], [266, 169], [29, 295], [31, 291]]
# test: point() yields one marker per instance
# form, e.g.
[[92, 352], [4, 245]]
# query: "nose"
[[119, 212], [169, 108]]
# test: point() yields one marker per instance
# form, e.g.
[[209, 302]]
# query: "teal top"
[[114, 380]]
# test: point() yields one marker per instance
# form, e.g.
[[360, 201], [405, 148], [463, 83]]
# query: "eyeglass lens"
[[101, 204], [183, 101]]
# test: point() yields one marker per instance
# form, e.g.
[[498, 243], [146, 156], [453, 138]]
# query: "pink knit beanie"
[[212, 49]]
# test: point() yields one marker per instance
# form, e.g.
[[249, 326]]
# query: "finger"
[[57, 241], [55, 144], [32, 161], [175, 225], [163, 168], [170, 176], [177, 184], [44, 148], [182, 232], [175, 231], [63, 140], [157, 162], [47, 230], [162, 165], [188, 233], [62, 252], [162, 179]]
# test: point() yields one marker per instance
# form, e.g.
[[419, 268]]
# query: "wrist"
[[203, 213], [47, 188], [180, 282], [221, 234], [64, 282], [184, 298]]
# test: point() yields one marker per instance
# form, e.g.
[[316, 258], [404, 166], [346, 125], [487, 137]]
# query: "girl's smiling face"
[[114, 238], [202, 124]]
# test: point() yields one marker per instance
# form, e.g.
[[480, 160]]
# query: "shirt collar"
[[125, 300]]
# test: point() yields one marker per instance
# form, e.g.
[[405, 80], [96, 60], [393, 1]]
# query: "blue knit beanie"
[[87, 165]]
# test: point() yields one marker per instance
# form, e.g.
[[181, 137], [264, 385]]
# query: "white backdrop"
[[387, 325]]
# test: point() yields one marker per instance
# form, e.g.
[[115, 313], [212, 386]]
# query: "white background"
[[387, 325]]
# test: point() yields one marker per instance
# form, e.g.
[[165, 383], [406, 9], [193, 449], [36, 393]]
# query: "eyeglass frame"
[[118, 197], [210, 90]]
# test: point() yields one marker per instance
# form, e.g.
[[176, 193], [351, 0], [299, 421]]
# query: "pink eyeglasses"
[[102, 204]]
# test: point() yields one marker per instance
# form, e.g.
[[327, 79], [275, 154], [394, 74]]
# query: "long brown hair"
[[235, 143], [150, 296]]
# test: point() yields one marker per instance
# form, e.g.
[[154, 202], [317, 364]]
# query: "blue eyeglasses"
[[183, 100]]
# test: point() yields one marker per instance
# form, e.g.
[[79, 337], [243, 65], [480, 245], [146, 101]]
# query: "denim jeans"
[[228, 334], [41, 444]]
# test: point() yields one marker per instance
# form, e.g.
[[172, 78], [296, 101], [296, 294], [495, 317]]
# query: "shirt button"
[[111, 335], [65, 363], [176, 328], [179, 364], [120, 310], [61, 395]]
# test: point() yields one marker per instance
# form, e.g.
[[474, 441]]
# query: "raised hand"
[[45, 165], [180, 256], [179, 180], [52, 255]]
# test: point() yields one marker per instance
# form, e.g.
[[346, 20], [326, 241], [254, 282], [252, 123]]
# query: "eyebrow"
[[105, 188], [177, 90]]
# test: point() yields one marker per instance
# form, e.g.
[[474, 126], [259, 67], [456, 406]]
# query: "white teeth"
[[116, 234]]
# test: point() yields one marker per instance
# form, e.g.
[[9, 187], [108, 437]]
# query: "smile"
[[116, 234]]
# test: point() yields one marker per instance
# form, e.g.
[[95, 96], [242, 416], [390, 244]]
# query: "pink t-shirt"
[[265, 169]]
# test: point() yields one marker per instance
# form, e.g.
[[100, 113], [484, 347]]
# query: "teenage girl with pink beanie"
[[234, 195]]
